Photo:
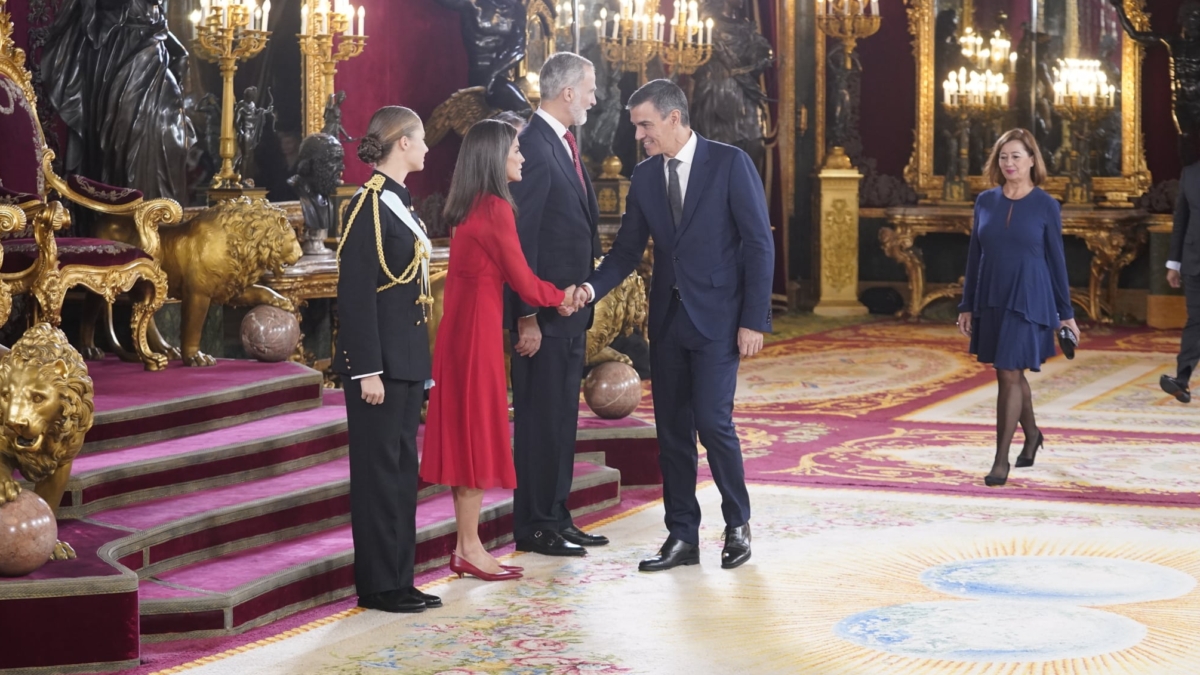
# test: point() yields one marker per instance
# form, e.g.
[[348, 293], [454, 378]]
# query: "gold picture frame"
[[1113, 190]]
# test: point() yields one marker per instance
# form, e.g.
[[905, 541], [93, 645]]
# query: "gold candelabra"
[[969, 96], [690, 44], [226, 32], [1083, 98], [634, 39], [320, 23], [848, 21]]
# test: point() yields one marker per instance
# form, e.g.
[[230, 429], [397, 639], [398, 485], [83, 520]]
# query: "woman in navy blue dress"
[[1015, 292]]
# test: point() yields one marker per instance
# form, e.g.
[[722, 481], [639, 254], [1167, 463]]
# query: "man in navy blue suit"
[[710, 303]]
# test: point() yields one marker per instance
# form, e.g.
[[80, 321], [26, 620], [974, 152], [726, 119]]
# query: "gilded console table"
[[1114, 237]]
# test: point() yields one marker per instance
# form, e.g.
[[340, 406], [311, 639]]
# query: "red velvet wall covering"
[[415, 58]]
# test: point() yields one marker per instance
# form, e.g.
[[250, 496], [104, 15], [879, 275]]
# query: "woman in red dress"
[[467, 441]]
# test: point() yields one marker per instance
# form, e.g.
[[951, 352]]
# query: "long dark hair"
[[481, 169]]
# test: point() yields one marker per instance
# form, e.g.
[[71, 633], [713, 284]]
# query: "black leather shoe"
[[1175, 387], [431, 601], [674, 552], [737, 546], [577, 536], [547, 542], [396, 602]]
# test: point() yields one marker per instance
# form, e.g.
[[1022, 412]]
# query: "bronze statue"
[[1185, 71], [494, 34], [333, 117], [112, 72], [248, 120], [318, 173], [728, 103], [46, 408]]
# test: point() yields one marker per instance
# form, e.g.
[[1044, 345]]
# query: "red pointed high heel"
[[461, 566]]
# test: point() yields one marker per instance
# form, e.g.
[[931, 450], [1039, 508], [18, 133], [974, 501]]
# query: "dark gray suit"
[[1185, 249]]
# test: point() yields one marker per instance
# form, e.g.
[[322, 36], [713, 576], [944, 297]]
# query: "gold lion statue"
[[218, 257], [45, 410], [617, 313]]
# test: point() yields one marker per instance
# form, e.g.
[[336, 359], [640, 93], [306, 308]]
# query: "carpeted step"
[[211, 459], [237, 591], [185, 529], [134, 406]]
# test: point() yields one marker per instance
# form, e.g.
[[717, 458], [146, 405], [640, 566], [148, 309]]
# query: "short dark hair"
[[665, 96], [481, 169]]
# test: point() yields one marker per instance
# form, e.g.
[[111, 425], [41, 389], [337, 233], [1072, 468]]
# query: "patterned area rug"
[[842, 581]]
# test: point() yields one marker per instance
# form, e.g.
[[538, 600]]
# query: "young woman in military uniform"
[[383, 357]]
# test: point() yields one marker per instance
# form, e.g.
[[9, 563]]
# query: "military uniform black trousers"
[[383, 484]]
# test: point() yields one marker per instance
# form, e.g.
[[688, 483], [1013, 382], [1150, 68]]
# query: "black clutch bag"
[[1067, 342]]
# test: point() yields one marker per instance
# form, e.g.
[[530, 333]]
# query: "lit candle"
[[362, 20], [616, 25], [256, 24], [304, 20], [708, 23], [194, 18], [266, 20], [874, 7]]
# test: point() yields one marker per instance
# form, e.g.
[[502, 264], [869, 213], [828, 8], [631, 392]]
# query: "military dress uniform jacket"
[[380, 331]]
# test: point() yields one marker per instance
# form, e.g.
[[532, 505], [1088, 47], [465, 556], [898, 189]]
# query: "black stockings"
[[1014, 404]]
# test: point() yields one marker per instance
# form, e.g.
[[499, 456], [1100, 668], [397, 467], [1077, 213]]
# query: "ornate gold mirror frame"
[[1116, 190], [539, 37]]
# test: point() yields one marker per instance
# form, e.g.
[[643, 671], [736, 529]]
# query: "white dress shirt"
[[559, 129], [685, 156]]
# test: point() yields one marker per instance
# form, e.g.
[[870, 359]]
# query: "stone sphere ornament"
[[28, 532], [270, 334], [612, 390]]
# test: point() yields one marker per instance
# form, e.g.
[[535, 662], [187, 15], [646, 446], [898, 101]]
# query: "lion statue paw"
[[93, 353], [9, 489], [199, 360], [62, 551]]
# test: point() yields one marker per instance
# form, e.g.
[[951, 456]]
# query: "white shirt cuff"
[[529, 316], [1173, 265], [359, 377], [591, 292]]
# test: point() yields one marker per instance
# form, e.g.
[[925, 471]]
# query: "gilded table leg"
[[898, 245], [154, 294]]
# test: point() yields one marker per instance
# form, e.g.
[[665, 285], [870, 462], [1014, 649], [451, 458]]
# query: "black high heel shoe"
[[993, 481], [1022, 462]]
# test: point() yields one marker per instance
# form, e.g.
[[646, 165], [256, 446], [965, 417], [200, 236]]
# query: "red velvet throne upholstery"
[[37, 261]]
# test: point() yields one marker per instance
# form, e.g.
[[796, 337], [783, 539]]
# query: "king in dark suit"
[[1183, 269], [556, 222], [710, 303]]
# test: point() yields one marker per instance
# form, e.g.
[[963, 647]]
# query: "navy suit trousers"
[[694, 382]]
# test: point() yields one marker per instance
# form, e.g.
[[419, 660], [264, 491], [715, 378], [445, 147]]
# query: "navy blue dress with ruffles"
[[1016, 282]]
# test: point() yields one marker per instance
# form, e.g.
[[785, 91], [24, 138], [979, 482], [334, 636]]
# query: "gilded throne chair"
[[35, 259]]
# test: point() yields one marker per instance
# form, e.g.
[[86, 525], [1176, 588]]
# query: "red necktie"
[[575, 158]]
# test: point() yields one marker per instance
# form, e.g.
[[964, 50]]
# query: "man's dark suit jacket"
[[556, 222], [1185, 235], [721, 258]]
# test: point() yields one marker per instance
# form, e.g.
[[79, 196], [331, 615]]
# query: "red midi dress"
[[467, 437]]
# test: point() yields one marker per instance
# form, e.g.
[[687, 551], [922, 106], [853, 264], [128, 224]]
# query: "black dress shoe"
[[577, 536], [674, 552], [547, 542], [396, 602], [1175, 387], [431, 601], [737, 546]]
